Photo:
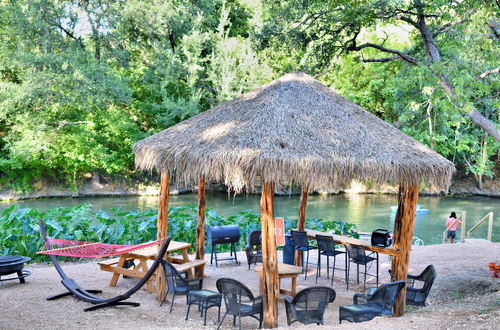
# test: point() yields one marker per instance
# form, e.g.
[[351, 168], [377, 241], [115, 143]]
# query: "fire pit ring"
[[13, 264]]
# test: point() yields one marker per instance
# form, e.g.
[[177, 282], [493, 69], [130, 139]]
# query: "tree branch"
[[487, 73], [401, 55], [445, 27], [70, 34], [384, 59]]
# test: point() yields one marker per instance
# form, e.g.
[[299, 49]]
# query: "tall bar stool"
[[326, 247], [357, 255], [301, 243]]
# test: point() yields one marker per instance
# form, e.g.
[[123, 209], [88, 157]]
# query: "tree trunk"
[[200, 228], [162, 229], [301, 222], [270, 285], [403, 234]]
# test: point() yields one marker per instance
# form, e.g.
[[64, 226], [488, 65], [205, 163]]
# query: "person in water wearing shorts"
[[452, 233]]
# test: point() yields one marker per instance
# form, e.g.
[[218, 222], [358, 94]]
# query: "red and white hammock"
[[81, 249]]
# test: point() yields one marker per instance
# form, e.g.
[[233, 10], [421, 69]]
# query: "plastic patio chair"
[[239, 301], [178, 283], [380, 303], [253, 248], [301, 243], [357, 255], [417, 296], [308, 305], [326, 247]]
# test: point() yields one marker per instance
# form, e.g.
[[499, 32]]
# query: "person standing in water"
[[452, 233]]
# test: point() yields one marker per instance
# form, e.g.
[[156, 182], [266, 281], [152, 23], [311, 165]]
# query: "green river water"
[[368, 211]]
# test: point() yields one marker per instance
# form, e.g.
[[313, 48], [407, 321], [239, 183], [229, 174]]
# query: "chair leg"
[[364, 283], [187, 314], [220, 322], [172, 303], [347, 274], [377, 270], [357, 265], [328, 266], [164, 297], [307, 263], [333, 270], [318, 267]]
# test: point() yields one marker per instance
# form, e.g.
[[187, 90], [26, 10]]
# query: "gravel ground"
[[463, 296]]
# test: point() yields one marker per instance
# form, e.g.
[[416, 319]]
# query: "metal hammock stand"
[[87, 295]]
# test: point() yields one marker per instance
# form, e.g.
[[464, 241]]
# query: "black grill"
[[13, 264], [223, 235]]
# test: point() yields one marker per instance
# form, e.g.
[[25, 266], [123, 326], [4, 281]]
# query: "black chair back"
[[173, 277], [299, 238], [386, 295], [355, 252], [235, 294], [428, 276], [325, 243], [255, 239], [314, 298]]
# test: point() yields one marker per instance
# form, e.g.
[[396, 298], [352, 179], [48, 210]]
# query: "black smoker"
[[223, 235]]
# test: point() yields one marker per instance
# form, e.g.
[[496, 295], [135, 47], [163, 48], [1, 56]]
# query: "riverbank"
[[463, 296], [464, 186]]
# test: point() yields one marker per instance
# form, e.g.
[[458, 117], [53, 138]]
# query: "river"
[[367, 211]]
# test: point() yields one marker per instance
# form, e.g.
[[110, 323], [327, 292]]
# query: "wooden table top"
[[284, 269], [152, 251], [390, 250]]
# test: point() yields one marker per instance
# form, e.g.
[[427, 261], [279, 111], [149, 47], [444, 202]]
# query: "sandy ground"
[[463, 296]]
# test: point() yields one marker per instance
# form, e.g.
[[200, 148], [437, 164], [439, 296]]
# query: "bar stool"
[[358, 256], [301, 243], [326, 247]]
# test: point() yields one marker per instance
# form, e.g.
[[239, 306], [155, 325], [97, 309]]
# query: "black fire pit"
[[13, 264]]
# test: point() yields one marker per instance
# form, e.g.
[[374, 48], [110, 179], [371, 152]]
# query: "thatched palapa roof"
[[291, 129]]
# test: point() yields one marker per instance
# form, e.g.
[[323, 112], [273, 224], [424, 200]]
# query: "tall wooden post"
[[403, 234], [270, 283], [162, 229], [463, 226], [200, 228], [301, 222]]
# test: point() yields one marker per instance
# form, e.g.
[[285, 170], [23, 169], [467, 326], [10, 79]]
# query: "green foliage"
[[19, 232]]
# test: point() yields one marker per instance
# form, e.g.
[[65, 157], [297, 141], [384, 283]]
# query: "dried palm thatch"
[[291, 129]]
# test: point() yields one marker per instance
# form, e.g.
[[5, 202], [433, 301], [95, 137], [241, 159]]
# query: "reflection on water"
[[369, 212]]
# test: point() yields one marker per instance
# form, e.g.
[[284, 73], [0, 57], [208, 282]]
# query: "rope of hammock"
[[82, 249]]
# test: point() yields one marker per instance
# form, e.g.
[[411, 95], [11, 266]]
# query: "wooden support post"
[[301, 222], [462, 229], [162, 229], [200, 228], [490, 226], [270, 283], [403, 234]]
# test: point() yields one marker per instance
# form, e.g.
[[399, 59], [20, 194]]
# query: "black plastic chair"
[[380, 303], [357, 255], [239, 301], [178, 283], [418, 296], [308, 305], [326, 247], [301, 243], [253, 248]]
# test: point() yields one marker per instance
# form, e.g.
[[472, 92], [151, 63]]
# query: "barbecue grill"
[[13, 264], [218, 235]]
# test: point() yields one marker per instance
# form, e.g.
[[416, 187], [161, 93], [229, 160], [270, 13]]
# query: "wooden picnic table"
[[116, 265], [284, 271], [390, 250]]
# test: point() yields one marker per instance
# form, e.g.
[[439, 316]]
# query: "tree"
[[331, 29]]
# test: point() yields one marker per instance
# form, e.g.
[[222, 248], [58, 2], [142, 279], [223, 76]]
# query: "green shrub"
[[19, 232]]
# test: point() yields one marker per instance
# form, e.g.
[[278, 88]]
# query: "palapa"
[[293, 128]]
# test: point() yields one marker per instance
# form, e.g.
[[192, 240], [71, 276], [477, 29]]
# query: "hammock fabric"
[[81, 249]]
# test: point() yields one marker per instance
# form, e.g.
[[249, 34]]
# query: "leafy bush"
[[19, 232]]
